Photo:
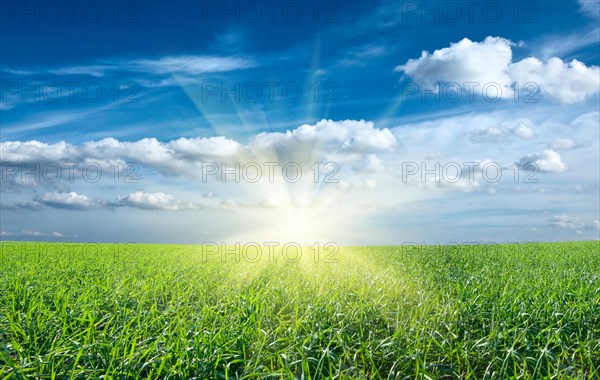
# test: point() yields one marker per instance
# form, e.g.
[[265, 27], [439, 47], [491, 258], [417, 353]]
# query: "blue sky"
[[428, 121]]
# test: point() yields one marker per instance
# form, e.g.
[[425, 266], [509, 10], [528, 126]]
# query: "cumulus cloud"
[[568, 144], [199, 148], [177, 157], [564, 221], [22, 206], [489, 134], [74, 201], [497, 134], [490, 61], [155, 201], [547, 161], [36, 151], [565, 82], [573, 223], [230, 205], [328, 140], [59, 200], [374, 164], [523, 131], [464, 61], [370, 164], [70, 200], [16, 180]]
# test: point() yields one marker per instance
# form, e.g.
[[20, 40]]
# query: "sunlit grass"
[[160, 311]]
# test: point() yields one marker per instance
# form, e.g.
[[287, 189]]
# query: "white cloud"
[[563, 45], [490, 61], [523, 131], [35, 151], [361, 56], [185, 66], [229, 205], [564, 221], [47, 120], [182, 156], [573, 223], [374, 164], [464, 61], [31, 233], [489, 134], [155, 201], [328, 140], [568, 144], [21, 206], [195, 148], [462, 185], [74, 201], [189, 65], [91, 70], [587, 120], [546, 161], [497, 134], [70, 200], [568, 83]]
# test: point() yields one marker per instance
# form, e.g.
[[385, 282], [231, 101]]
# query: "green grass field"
[[160, 311]]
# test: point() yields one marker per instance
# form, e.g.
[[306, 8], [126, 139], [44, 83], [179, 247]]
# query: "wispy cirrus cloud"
[[590, 8], [183, 65], [565, 45], [568, 144], [33, 234], [52, 119], [361, 56]]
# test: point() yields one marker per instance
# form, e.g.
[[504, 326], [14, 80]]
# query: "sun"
[[286, 225], [299, 225]]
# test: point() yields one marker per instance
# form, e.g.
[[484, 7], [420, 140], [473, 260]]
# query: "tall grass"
[[527, 311]]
